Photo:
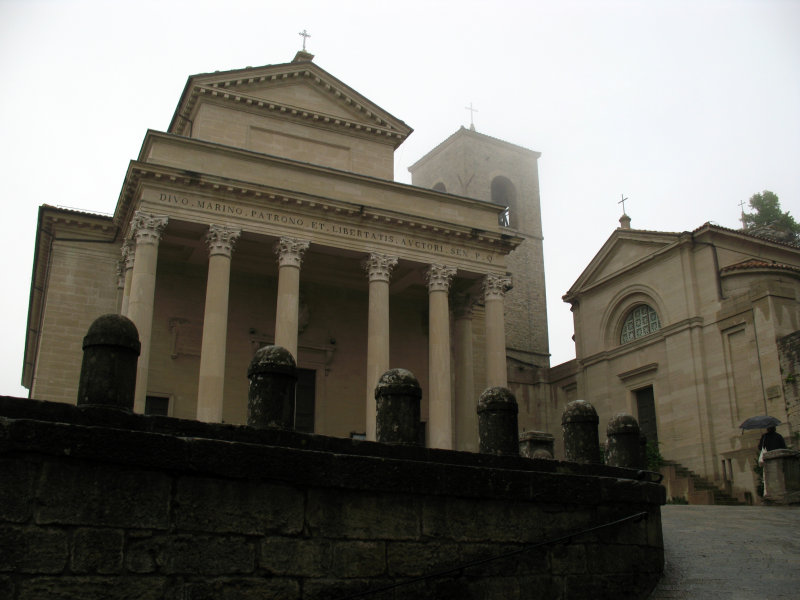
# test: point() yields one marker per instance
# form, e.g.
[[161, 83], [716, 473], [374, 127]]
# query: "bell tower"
[[479, 166]]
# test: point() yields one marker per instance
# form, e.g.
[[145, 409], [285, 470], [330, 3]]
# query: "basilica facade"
[[268, 213]]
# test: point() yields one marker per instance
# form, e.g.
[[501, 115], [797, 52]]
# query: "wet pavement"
[[731, 552]]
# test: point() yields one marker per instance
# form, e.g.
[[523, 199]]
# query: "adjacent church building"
[[693, 333], [268, 213]]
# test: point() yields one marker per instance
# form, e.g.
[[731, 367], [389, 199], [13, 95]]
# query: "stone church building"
[[692, 333], [268, 213]]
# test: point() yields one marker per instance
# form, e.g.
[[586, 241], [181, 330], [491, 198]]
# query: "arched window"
[[439, 187], [641, 321], [505, 194]]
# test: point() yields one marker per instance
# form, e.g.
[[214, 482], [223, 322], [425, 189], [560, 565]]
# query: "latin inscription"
[[223, 208]]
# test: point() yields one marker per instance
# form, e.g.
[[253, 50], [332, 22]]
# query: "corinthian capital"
[[221, 238], [379, 266], [290, 251], [147, 227], [495, 286], [439, 277]]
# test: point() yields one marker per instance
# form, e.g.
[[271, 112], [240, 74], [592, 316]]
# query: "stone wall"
[[99, 505], [789, 356]]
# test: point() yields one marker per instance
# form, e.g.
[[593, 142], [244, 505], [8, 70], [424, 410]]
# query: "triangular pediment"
[[298, 90], [623, 250]]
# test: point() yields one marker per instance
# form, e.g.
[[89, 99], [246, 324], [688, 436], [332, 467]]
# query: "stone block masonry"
[[100, 505]]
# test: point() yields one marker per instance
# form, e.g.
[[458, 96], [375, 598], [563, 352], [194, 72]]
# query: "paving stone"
[[730, 552]]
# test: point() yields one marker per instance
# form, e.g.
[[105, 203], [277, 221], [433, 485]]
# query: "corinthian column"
[[379, 267], [128, 253], [220, 240], [440, 420], [495, 287], [290, 255], [147, 229], [466, 415]]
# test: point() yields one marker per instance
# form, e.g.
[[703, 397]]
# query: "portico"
[[350, 290]]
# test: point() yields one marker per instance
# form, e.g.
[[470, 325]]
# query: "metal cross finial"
[[623, 203], [472, 112], [305, 35], [741, 206]]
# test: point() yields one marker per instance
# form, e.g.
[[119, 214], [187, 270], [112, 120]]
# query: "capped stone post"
[[623, 447], [273, 377], [536, 444], [498, 431], [579, 425], [108, 371], [397, 398]]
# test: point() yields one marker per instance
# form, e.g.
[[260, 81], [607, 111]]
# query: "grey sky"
[[687, 108]]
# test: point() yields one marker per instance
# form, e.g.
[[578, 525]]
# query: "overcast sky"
[[687, 108]]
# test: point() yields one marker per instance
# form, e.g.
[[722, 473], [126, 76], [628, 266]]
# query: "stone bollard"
[[579, 426], [498, 432], [536, 444], [273, 377], [622, 448], [108, 372], [397, 396], [782, 476]]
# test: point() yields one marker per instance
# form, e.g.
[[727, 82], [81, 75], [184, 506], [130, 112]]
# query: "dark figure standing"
[[772, 440]]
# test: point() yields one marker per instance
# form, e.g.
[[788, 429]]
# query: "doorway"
[[646, 411], [305, 393]]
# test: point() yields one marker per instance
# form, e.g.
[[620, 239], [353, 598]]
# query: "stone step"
[[702, 491]]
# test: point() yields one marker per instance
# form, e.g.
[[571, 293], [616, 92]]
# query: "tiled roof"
[[754, 263]]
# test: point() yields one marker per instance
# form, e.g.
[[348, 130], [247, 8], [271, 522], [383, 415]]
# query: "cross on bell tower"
[[472, 112]]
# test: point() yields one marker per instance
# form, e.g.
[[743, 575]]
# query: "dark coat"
[[772, 440]]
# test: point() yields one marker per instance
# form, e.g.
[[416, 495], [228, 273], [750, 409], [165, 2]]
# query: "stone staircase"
[[686, 486]]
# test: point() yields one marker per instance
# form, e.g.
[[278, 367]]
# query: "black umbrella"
[[760, 422]]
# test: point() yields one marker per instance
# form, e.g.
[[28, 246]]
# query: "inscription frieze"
[[326, 227]]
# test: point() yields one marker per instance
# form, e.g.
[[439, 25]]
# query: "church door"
[[304, 400], [646, 409]]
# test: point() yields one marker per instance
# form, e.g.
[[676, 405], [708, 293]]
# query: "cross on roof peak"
[[305, 35], [623, 203]]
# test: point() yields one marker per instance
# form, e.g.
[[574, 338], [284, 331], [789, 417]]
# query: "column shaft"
[[495, 287], [290, 253], [379, 268], [440, 417], [466, 416], [211, 385], [147, 232]]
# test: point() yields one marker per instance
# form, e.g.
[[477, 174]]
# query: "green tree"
[[768, 215]]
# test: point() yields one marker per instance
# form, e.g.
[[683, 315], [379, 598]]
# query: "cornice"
[[141, 173], [232, 87], [56, 215], [153, 136], [670, 241]]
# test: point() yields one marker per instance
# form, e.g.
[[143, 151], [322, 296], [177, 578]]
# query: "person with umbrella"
[[772, 440]]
